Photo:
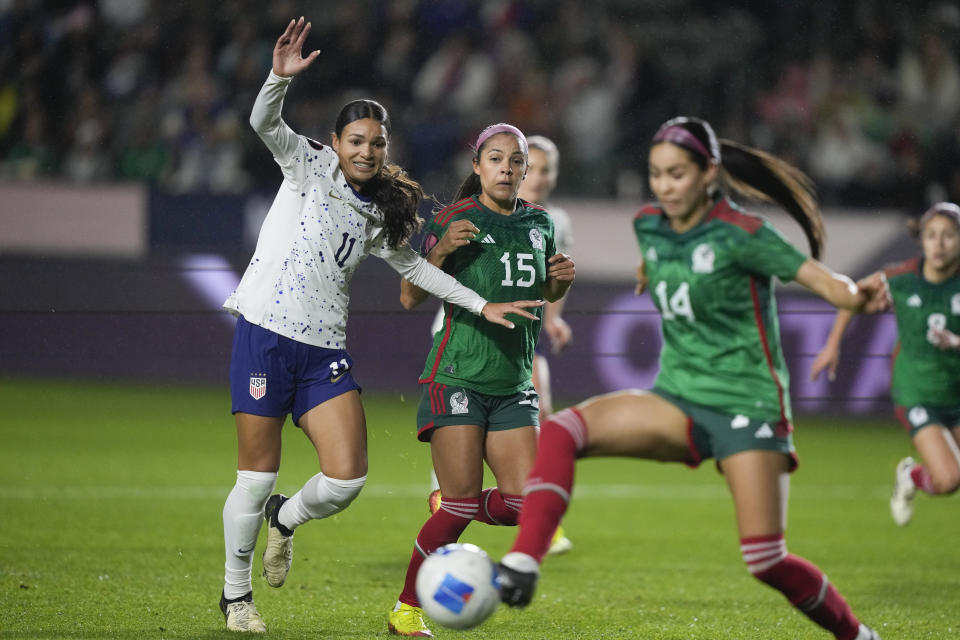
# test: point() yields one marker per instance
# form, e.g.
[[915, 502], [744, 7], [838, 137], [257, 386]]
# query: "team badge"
[[703, 258], [651, 255], [914, 301], [258, 387], [536, 239], [955, 304], [530, 397], [458, 403], [917, 416]]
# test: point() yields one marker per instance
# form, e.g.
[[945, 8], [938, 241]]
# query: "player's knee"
[[946, 482], [343, 492]]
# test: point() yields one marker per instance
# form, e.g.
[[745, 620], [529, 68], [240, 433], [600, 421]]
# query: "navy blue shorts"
[[271, 375]]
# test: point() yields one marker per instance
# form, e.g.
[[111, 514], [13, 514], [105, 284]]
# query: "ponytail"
[[751, 173], [762, 176], [398, 198]]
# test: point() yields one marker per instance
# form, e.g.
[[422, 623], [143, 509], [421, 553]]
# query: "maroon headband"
[[948, 209], [680, 136]]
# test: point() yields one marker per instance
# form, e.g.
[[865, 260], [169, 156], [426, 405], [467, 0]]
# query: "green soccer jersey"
[[714, 288], [922, 373], [506, 261]]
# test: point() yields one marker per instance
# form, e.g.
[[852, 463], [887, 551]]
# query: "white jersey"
[[316, 233]]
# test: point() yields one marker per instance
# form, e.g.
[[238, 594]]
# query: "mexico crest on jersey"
[[458, 403], [258, 386], [703, 258], [536, 239], [955, 304]]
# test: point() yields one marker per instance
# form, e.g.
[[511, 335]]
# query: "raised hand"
[[458, 234], [496, 312], [560, 267], [287, 60]]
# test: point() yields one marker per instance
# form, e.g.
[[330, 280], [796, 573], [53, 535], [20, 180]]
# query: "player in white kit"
[[336, 205]]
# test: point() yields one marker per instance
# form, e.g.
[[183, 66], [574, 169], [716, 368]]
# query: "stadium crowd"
[[864, 95]]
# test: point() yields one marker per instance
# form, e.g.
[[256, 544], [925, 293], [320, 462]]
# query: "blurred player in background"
[[926, 368], [337, 204], [541, 180], [477, 401], [722, 387]]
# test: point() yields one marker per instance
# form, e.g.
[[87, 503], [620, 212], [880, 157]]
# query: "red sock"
[[801, 582], [499, 508], [547, 491], [921, 478], [443, 527]]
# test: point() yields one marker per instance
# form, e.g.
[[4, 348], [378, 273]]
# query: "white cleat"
[[866, 633], [901, 502], [278, 554], [242, 615]]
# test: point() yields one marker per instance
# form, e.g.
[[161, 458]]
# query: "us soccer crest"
[[258, 386], [703, 258], [536, 239], [458, 403]]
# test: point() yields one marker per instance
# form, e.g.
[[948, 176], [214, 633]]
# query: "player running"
[[477, 401], [722, 387], [337, 204], [926, 368]]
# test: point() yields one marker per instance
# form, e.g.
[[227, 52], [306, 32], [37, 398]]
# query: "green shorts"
[[442, 405], [713, 434], [923, 415]]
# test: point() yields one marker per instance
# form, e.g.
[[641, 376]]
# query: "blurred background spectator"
[[863, 94]]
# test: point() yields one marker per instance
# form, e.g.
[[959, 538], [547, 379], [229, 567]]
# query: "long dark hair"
[[396, 195], [752, 173]]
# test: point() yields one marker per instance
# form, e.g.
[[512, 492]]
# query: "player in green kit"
[[926, 369], [478, 402], [722, 388]]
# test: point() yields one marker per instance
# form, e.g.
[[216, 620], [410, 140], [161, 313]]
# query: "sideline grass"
[[111, 498]]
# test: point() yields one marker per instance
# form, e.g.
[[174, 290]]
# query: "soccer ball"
[[457, 586]]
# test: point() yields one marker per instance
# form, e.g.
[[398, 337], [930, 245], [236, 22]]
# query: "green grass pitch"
[[111, 499]]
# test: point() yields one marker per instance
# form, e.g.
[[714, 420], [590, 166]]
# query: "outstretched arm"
[[287, 62], [429, 278], [459, 234], [869, 295]]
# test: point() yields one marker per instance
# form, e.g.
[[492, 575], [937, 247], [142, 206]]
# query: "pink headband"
[[680, 136], [502, 127], [948, 209]]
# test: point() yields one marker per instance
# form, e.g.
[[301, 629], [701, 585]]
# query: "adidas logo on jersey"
[[914, 301], [488, 239]]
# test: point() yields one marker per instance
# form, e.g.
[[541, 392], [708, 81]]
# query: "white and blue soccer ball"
[[458, 586]]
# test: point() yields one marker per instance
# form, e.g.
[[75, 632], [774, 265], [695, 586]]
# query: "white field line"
[[604, 491]]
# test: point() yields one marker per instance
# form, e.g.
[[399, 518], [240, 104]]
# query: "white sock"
[[320, 497], [520, 562], [242, 517]]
